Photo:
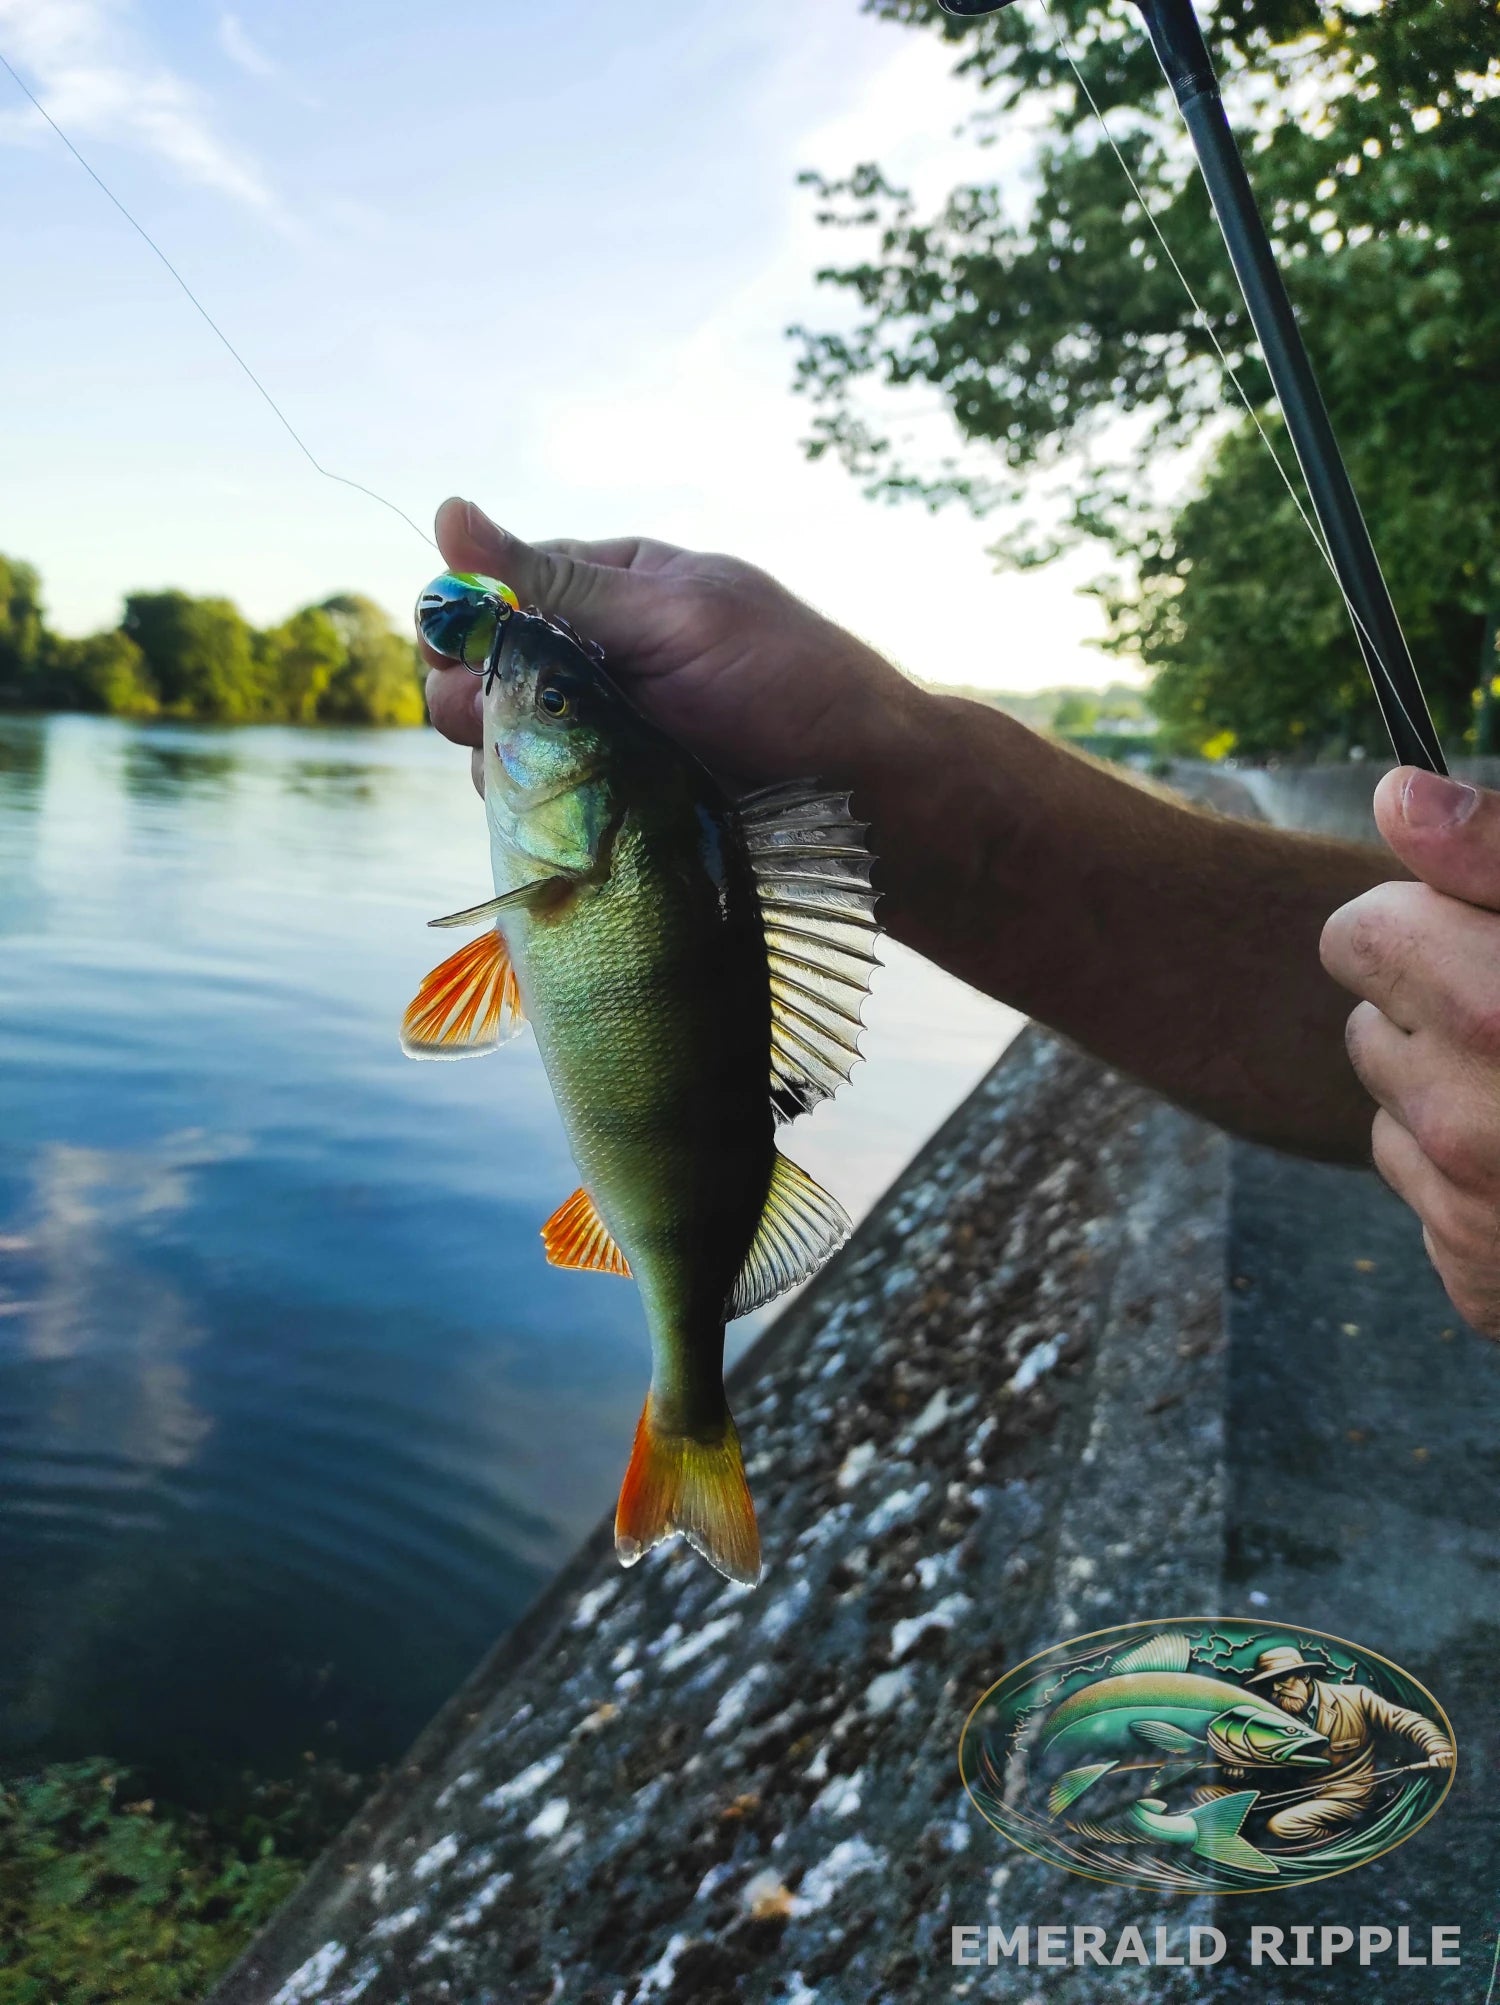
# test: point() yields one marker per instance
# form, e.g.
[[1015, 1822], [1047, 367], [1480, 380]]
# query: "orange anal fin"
[[469, 1003], [698, 1488], [576, 1236]]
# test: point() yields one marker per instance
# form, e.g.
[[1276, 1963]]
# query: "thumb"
[[602, 602], [1446, 832]]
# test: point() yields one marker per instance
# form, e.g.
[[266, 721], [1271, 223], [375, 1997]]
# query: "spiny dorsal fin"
[[1168, 1652], [576, 1236], [812, 873], [469, 1003], [800, 1226]]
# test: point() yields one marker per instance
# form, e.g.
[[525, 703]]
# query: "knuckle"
[[1448, 1140], [1476, 1017], [1468, 1232]]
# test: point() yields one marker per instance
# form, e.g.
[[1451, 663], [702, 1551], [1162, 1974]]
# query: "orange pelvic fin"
[[576, 1236], [698, 1488], [469, 1003]]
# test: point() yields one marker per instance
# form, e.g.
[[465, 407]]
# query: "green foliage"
[[298, 660], [176, 656], [199, 653], [101, 672], [374, 683], [102, 1898], [20, 619], [1076, 710], [1373, 139]]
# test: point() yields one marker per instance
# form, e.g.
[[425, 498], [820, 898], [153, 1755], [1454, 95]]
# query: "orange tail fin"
[[677, 1484]]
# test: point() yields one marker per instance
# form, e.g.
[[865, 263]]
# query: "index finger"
[[1420, 956]]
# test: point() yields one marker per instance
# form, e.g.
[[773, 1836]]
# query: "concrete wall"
[[1087, 1362]]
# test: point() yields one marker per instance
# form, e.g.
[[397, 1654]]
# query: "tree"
[[20, 627], [298, 661], [200, 655], [1075, 712], [380, 680], [104, 671], [178, 656], [1373, 135]]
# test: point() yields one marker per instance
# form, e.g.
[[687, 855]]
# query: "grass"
[[105, 1895]]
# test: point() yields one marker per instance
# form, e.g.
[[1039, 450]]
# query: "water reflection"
[[294, 1417], [23, 748], [163, 768]]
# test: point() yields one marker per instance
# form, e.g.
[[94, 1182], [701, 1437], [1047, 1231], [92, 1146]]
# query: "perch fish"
[[694, 968]]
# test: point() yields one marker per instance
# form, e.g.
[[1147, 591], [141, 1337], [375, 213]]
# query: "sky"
[[541, 255]]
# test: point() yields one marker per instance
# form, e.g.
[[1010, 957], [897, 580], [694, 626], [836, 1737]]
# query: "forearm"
[[1177, 945]]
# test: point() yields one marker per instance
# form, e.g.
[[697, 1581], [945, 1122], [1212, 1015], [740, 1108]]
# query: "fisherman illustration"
[[1353, 1720]]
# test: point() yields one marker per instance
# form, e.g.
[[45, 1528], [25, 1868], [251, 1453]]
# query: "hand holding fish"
[[1425, 1040], [1180, 946], [741, 672]]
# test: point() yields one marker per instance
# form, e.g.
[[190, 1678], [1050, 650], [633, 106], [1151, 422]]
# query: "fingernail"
[[479, 522], [1429, 801]]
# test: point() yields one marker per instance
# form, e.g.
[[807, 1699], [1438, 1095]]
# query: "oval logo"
[[1207, 1756]]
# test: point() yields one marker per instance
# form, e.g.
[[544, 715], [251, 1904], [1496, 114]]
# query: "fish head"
[[563, 747], [1251, 1735]]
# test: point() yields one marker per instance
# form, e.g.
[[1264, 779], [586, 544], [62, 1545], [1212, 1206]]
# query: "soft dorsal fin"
[[812, 873], [1168, 1652], [576, 1236], [469, 1003], [800, 1226]]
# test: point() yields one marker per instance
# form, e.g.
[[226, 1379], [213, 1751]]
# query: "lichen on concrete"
[[997, 1419]]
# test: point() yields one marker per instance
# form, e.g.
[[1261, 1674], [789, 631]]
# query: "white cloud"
[[239, 48], [79, 58], [700, 440]]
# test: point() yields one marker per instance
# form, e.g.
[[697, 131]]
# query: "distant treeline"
[[1116, 721], [338, 662]]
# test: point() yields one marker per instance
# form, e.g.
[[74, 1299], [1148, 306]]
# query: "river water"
[[294, 1418]]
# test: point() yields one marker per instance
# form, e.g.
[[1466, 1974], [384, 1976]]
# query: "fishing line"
[[1489, 1996], [1372, 652], [141, 231]]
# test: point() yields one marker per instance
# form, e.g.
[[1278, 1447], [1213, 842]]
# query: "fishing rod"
[[1184, 57]]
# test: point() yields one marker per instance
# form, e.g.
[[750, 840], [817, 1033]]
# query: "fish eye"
[[554, 700]]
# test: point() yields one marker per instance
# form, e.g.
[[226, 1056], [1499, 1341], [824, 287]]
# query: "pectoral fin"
[[1170, 1739], [479, 915], [468, 1004], [576, 1236]]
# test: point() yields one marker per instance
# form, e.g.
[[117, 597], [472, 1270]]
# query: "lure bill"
[[694, 968]]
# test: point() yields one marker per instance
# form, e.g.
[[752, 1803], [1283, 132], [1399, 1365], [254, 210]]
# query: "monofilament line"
[[1372, 652], [146, 237]]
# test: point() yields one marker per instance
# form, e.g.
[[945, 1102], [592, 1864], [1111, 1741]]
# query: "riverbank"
[[1088, 1362]]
